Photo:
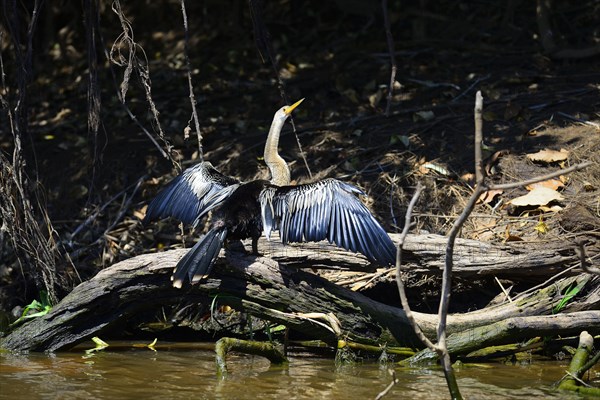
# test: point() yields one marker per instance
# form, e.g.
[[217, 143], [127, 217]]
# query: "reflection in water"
[[142, 373]]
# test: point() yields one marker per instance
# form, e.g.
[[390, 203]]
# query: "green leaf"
[[100, 345], [569, 294], [41, 307], [277, 328]]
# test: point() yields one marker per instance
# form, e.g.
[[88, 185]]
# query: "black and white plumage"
[[190, 195], [324, 210], [236, 217]]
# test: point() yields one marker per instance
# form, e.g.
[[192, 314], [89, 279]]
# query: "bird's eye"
[[285, 109]]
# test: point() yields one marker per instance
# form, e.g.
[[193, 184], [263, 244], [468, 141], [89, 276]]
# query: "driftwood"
[[268, 350], [516, 329], [267, 289], [579, 366], [424, 254]]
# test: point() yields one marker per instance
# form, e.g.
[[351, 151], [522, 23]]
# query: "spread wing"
[[190, 195], [327, 209]]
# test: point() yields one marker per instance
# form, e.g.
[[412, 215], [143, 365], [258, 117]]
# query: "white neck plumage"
[[280, 172]]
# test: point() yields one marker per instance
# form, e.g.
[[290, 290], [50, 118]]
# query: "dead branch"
[[399, 282], [27, 223], [133, 62], [580, 358], [513, 330], [424, 255], [267, 350], [186, 53], [269, 290]]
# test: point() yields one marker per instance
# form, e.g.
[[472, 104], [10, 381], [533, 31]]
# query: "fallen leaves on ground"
[[553, 184], [489, 196], [549, 156], [539, 196]]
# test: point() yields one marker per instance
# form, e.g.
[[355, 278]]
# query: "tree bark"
[[424, 254], [515, 329], [268, 290]]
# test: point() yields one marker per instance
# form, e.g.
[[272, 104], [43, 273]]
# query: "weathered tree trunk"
[[515, 329], [424, 254], [266, 289]]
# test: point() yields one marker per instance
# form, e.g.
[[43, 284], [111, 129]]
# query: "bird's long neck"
[[280, 172]]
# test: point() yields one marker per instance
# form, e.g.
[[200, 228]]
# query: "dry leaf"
[[468, 177], [552, 208], [375, 98], [553, 184], [141, 213], [434, 167], [539, 196], [549, 156], [487, 197], [511, 238]]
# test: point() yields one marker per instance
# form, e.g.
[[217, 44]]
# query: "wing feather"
[[190, 195], [327, 209]]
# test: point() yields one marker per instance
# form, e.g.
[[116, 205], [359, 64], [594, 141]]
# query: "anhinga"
[[326, 209]]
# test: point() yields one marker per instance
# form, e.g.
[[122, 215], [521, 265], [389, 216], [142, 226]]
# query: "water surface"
[[179, 374]]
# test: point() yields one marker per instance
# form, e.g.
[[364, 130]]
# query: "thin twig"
[[109, 58], [480, 188], [93, 216], [479, 171], [141, 65], [504, 186], [399, 282], [124, 207], [389, 387], [190, 85], [503, 289], [91, 21], [582, 259], [390, 43], [467, 90], [393, 214], [546, 282], [583, 121], [593, 361], [576, 378]]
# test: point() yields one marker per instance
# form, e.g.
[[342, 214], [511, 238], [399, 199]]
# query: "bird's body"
[[238, 217], [328, 209], [240, 212]]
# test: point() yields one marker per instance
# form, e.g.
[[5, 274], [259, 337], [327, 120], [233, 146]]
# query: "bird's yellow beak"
[[289, 110]]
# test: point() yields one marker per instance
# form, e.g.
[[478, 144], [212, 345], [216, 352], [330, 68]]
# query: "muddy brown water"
[[179, 374]]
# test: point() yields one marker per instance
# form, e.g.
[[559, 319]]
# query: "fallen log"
[[577, 367], [268, 350], [266, 289], [512, 330], [425, 254], [258, 285]]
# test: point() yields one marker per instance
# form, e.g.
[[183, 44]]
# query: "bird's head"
[[284, 112]]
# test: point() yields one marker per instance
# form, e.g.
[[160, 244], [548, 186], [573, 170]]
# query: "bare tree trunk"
[[264, 288]]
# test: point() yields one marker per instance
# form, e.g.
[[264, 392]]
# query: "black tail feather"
[[198, 262]]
